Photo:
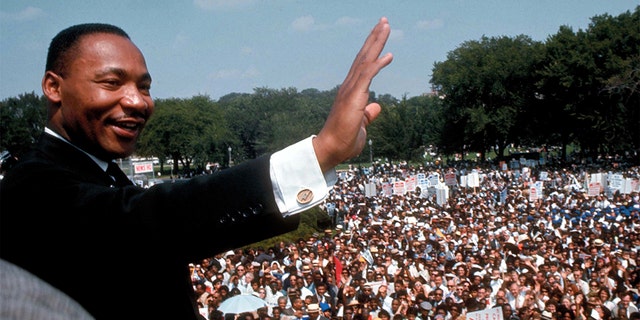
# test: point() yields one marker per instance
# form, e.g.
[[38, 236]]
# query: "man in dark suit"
[[122, 251]]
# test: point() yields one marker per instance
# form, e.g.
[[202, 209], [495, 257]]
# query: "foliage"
[[186, 131], [589, 81], [269, 119], [487, 91], [23, 120], [405, 127]]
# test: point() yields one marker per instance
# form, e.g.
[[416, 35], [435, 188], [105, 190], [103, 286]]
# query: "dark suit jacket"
[[123, 253]]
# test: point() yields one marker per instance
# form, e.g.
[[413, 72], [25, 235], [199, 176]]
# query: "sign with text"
[[410, 183], [487, 314], [473, 180], [387, 189], [143, 167], [450, 179], [370, 190], [398, 187], [594, 189]]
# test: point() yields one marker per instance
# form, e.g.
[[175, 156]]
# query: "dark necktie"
[[118, 176]]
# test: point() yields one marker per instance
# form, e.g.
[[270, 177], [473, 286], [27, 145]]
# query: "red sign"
[[143, 167]]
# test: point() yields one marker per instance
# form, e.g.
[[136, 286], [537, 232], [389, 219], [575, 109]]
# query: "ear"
[[51, 86]]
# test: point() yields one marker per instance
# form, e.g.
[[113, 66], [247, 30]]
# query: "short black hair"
[[63, 45], [384, 313]]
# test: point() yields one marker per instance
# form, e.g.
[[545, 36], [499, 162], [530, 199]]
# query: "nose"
[[136, 101]]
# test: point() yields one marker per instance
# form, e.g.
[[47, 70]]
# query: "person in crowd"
[[202, 295], [98, 92], [276, 313], [625, 307], [595, 307], [424, 310], [348, 313], [326, 310], [605, 297], [246, 316], [383, 297], [315, 313]]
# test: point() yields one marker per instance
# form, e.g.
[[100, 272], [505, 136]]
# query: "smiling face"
[[100, 101]]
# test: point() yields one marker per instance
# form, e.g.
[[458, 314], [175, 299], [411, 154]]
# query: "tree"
[[186, 131], [243, 121], [270, 119], [487, 89], [589, 84], [405, 127], [614, 44], [23, 120]]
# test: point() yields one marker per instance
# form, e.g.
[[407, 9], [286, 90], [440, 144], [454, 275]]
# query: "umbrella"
[[263, 257], [241, 303]]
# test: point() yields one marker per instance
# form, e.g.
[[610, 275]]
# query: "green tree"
[[186, 131], [589, 83], [271, 119], [243, 121], [487, 90], [387, 132], [23, 120], [405, 127], [289, 117], [556, 78], [615, 48]]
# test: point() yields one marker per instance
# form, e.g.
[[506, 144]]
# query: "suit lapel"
[[72, 159]]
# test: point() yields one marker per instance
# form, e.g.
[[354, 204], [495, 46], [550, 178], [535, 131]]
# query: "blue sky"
[[217, 47]]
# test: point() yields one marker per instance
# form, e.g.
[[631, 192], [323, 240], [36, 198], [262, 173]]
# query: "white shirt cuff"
[[294, 169]]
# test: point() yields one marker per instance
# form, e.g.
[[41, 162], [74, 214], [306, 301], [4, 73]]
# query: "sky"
[[218, 47]]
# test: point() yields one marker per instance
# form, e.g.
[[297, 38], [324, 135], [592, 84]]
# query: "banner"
[[473, 180], [434, 179], [387, 189], [442, 194], [533, 194], [370, 190], [594, 189], [450, 179], [398, 187], [410, 184]]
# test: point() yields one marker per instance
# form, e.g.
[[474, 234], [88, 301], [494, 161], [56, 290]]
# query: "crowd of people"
[[565, 255]]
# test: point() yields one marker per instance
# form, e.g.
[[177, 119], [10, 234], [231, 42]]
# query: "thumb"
[[371, 112]]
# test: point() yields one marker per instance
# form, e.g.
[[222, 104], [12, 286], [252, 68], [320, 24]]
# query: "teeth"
[[128, 125]]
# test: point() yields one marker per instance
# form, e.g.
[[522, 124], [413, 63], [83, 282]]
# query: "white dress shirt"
[[295, 168]]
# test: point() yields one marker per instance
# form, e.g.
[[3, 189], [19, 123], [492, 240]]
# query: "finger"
[[371, 112], [372, 47]]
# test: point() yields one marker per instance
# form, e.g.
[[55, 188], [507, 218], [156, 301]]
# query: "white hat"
[[313, 307], [426, 305]]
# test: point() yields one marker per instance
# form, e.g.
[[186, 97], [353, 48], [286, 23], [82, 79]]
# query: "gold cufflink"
[[304, 196]]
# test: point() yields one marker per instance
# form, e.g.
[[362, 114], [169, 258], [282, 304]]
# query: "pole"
[[371, 151]]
